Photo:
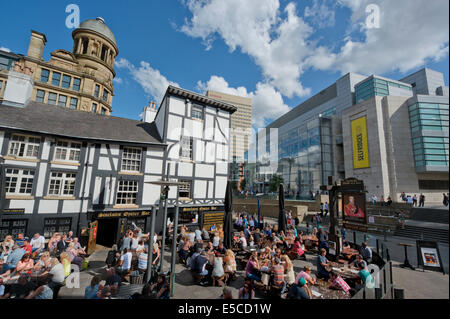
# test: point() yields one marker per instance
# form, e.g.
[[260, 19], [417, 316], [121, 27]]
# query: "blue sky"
[[278, 52]]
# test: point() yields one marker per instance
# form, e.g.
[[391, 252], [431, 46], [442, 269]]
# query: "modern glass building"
[[407, 128]]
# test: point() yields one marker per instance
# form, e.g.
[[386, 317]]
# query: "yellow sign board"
[[360, 145]]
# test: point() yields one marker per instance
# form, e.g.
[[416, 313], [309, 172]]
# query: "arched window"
[[85, 44], [104, 49]]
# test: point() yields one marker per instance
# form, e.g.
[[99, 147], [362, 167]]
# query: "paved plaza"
[[416, 284]]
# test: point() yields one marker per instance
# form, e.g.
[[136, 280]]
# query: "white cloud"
[[267, 102], [411, 33], [5, 49], [150, 79], [277, 44], [321, 14], [118, 80]]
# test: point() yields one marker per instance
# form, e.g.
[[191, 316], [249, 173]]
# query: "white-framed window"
[[184, 190], [19, 181], [24, 146], [62, 184], [186, 147], [131, 159], [127, 192], [197, 112], [67, 151]]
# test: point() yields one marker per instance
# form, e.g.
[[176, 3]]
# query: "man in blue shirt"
[[297, 291], [322, 262], [20, 239], [13, 258]]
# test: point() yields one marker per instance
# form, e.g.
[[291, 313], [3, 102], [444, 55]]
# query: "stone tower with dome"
[[82, 79]]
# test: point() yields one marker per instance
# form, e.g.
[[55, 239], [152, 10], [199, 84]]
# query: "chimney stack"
[[149, 113], [20, 87], [37, 44]]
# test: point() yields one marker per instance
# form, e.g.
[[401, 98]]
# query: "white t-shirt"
[[216, 241], [134, 243], [191, 236], [58, 273], [243, 241], [36, 243], [126, 260]]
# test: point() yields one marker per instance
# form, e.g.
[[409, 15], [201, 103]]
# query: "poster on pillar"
[[360, 144]]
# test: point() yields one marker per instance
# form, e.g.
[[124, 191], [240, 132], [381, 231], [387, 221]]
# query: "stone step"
[[439, 235]]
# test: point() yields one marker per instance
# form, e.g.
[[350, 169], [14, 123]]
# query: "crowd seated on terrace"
[[34, 269], [265, 254]]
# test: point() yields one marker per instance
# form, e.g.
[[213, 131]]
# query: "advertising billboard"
[[360, 145]]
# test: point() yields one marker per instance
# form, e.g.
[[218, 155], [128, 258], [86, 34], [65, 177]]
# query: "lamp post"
[[150, 247], [166, 184]]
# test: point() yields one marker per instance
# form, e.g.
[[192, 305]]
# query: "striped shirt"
[[278, 274], [341, 284]]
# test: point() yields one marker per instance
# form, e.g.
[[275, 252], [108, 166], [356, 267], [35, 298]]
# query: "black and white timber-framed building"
[[62, 169]]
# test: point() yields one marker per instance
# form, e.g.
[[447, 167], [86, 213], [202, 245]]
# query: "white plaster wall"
[[174, 127], [209, 127], [151, 192], [21, 163], [210, 152], [114, 149], [64, 167], [177, 106], [115, 164], [104, 164], [211, 110], [200, 189], [199, 154], [153, 166], [71, 206], [41, 179], [185, 169], [103, 150], [97, 189], [160, 118], [204, 170], [48, 206], [174, 152], [154, 152], [221, 167], [2, 138], [221, 183], [210, 189], [46, 149]]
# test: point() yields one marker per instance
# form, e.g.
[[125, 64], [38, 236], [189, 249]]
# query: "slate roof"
[[55, 120]]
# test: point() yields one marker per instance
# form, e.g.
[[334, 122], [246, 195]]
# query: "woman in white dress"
[[218, 273]]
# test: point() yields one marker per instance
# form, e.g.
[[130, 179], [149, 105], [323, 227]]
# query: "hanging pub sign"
[[354, 211], [428, 256]]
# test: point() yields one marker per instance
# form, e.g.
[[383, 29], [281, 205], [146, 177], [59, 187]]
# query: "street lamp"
[[166, 185]]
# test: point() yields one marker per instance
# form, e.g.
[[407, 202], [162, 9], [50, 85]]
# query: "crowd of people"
[[36, 269], [270, 259]]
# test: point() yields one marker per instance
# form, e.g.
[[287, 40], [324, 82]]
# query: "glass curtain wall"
[[301, 157]]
